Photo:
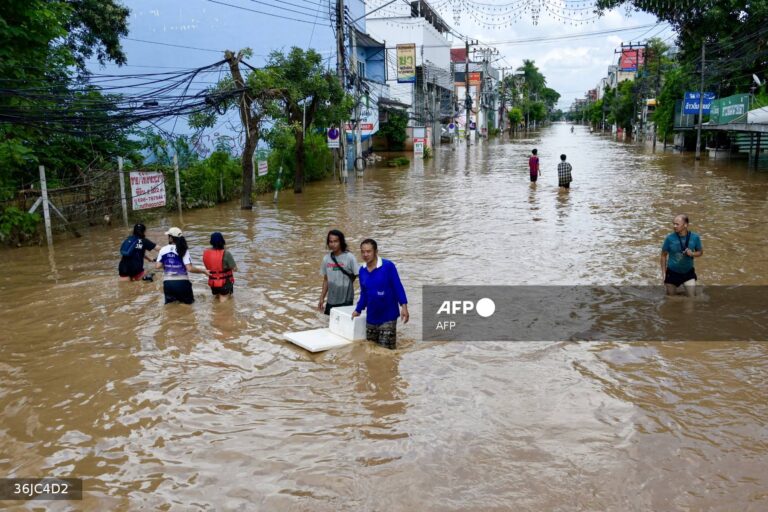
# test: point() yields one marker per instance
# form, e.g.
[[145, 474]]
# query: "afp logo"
[[484, 307]]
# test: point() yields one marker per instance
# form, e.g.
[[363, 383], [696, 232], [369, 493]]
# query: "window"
[[361, 69]]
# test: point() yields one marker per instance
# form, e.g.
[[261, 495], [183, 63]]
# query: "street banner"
[[406, 63], [691, 102], [333, 137], [730, 109], [631, 59], [147, 190], [263, 166]]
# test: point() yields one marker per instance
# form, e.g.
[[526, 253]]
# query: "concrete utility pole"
[[340, 71], [636, 47], [359, 166], [701, 105], [467, 99]]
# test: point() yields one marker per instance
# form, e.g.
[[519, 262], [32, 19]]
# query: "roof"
[[392, 104], [365, 41]]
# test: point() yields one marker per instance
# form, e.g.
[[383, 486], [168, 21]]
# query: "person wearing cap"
[[220, 264], [176, 264], [133, 252]]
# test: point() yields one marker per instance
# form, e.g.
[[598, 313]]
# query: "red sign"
[[474, 78], [631, 59]]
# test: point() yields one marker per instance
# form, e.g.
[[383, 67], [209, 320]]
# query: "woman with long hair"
[[339, 270], [176, 264]]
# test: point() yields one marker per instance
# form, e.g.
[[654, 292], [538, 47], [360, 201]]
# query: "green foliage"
[[732, 30], [676, 81], [428, 153], [394, 130], [207, 182], [398, 161], [318, 161], [17, 226], [44, 44], [515, 117], [623, 106]]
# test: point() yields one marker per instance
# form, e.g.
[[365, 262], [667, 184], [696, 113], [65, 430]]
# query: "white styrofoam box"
[[316, 340], [345, 326]]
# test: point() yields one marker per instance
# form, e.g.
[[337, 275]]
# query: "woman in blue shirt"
[[381, 292]]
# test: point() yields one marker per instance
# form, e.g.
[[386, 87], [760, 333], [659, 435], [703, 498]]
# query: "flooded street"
[[208, 408]]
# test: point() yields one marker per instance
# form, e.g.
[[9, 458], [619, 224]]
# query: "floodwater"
[[205, 407]]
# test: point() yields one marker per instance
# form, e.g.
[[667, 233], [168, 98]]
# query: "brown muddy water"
[[205, 407]]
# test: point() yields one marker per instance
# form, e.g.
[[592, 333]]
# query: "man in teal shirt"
[[677, 254]]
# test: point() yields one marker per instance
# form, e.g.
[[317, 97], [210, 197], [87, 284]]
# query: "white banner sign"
[[147, 190]]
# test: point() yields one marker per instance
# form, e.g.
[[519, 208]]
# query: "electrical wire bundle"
[[105, 103]]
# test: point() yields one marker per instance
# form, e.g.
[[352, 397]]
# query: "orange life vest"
[[213, 259]]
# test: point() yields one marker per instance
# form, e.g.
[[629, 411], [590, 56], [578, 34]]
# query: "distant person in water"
[[176, 264], [677, 254], [220, 265], [339, 270], [564, 174], [133, 252], [533, 165]]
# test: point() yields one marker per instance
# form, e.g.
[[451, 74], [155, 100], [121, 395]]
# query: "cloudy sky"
[[174, 34]]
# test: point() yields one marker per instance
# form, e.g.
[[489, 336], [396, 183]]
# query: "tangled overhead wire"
[[102, 103]]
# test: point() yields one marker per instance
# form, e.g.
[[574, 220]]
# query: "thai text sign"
[[147, 190], [730, 109], [691, 102], [474, 78], [262, 162], [406, 63]]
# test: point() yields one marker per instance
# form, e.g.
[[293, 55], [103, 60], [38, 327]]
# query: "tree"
[[255, 106], [676, 81], [515, 118], [394, 130], [44, 45], [623, 105], [307, 95], [732, 30]]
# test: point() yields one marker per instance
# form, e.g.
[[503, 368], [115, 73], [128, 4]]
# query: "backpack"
[[129, 244]]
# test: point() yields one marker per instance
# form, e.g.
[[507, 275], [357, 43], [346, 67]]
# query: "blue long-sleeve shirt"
[[381, 292]]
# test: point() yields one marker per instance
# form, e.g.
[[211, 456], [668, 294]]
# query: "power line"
[[173, 45], [261, 12]]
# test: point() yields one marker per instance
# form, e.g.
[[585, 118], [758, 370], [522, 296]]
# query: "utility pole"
[[467, 99], [636, 88], [701, 105], [656, 97], [358, 104], [340, 63]]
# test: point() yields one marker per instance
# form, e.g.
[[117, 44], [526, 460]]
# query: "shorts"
[[227, 289], [178, 291], [329, 306], [534, 177], [125, 269], [566, 185], [384, 335], [137, 277], [677, 279]]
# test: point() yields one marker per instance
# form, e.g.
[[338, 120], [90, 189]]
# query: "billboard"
[[474, 78], [730, 109], [406, 63], [147, 190], [691, 102], [631, 59], [369, 123]]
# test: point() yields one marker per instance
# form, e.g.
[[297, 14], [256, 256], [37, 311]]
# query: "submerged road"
[[205, 407]]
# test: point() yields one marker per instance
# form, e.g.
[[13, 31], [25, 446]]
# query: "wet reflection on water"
[[207, 407]]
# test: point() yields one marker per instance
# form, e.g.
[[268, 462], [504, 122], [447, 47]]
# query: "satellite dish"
[[757, 80]]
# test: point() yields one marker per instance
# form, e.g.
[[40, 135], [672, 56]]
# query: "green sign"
[[728, 110]]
